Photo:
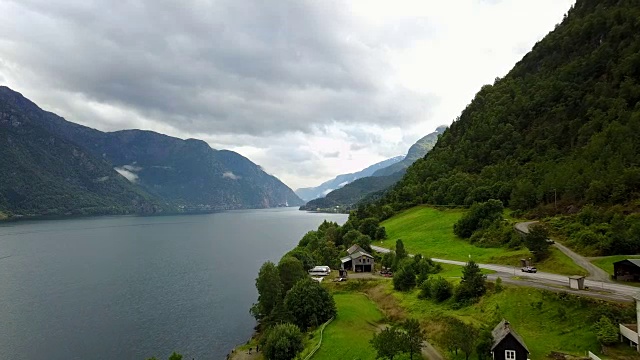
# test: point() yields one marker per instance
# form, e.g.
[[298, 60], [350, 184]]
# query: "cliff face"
[[183, 174]]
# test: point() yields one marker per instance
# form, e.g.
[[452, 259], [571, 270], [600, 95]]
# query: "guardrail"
[[319, 342]]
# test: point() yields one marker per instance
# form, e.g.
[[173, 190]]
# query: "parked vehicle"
[[320, 271], [529, 269]]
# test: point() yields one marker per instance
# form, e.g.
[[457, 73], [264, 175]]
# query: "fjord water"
[[136, 287]]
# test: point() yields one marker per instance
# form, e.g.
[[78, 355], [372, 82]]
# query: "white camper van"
[[320, 271]]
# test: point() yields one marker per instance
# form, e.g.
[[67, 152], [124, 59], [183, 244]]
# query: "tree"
[[388, 343], [304, 255], [401, 254], [350, 237], [388, 259], [479, 216], [309, 304], [536, 241], [269, 288], [606, 332], [414, 337], [381, 233], [459, 336], [405, 278], [483, 346], [291, 271], [472, 284], [175, 356], [364, 241], [369, 226], [284, 342]]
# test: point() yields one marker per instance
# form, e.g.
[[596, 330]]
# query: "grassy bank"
[[534, 314], [347, 337], [429, 232]]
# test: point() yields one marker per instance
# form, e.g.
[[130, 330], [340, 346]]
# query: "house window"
[[510, 355]]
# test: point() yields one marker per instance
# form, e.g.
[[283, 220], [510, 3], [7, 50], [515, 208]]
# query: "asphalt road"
[[615, 291], [595, 273]]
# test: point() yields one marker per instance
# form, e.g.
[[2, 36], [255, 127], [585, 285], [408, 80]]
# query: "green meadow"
[[428, 231], [348, 335]]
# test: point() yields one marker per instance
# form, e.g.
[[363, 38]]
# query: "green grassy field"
[[429, 232], [542, 329], [347, 337]]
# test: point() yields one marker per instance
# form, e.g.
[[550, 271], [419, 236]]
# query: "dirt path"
[[429, 352], [595, 273]]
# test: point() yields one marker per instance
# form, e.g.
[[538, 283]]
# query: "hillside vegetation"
[[560, 130]]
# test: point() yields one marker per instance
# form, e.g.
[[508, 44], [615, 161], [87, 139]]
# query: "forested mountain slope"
[[184, 175], [562, 127], [44, 174], [416, 151], [341, 200]]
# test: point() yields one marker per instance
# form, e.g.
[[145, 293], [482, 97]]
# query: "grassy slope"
[[429, 232], [347, 337], [542, 330]]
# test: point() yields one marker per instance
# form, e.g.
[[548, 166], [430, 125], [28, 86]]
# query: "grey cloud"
[[249, 67], [334, 154]]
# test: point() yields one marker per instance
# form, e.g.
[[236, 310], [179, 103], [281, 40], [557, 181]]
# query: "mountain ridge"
[[339, 181], [186, 174]]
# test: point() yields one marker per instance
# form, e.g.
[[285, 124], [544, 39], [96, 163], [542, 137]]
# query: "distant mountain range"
[[339, 181], [368, 186], [56, 167]]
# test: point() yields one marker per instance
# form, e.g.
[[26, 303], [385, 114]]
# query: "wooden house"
[[357, 260], [507, 344]]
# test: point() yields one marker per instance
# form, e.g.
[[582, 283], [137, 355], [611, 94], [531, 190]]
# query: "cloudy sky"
[[307, 89]]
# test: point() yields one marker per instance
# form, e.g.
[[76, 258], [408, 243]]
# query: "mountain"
[[341, 180], [341, 200], [184, 174], [560, 130], [45, 174], [371, 187], [416, 151]]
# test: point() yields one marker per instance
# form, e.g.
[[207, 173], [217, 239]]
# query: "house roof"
[[635, 262], [354, 248], [501, 331], [358, 254], [576, 277]]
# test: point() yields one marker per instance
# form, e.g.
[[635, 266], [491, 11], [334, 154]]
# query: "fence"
[[320, 342]]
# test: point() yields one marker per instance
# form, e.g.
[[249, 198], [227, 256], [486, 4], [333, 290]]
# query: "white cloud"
[[230, 175], [287, 85]]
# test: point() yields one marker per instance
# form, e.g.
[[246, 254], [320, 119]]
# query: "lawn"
[[347, 337], [429, 232], [542, 327]]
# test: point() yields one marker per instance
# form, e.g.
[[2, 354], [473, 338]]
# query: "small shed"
[[507, 344], [626, 270], [576, 282]]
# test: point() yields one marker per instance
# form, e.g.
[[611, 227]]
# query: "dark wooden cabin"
[[627, 270], [507, 344]]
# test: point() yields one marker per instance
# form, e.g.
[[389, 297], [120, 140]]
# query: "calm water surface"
[[136, 287]]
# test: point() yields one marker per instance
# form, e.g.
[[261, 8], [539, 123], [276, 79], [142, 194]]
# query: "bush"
[[405, 278], [479, 216], [283, 342], [441, 289]]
